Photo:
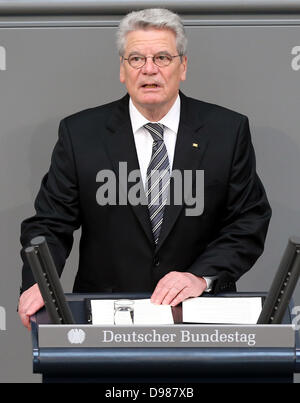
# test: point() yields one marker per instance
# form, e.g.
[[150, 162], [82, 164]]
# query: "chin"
[[150, 99]]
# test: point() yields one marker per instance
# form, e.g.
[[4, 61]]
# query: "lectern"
[[76, 361]]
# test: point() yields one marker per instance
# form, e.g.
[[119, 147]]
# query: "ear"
[[122, 70], [183, 68]]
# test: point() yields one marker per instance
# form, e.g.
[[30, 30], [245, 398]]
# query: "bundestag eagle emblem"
[[76, 336]]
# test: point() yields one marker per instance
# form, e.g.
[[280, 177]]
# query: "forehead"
[[150, 40]]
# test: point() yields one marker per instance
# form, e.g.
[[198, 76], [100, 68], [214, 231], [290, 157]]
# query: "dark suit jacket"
[[117, 252]]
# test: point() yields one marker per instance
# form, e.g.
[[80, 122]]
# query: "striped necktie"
[[158, 178]]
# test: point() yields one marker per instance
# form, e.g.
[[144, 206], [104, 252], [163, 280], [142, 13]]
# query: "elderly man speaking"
[[155, 130]]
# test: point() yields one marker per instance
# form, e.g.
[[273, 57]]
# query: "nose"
[[149, 67]]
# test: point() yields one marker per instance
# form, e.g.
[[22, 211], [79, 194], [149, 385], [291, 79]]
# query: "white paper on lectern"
[[102, 311], [145, 312], [226, 310]]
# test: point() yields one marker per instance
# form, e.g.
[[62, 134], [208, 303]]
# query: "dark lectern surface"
[[160, 364]]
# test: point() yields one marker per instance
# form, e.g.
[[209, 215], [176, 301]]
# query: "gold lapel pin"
[[195, 145]]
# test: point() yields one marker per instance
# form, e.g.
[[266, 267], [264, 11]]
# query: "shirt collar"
[[170, 120]]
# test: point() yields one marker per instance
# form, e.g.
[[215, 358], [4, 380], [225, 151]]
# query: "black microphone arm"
[[45, 274], [283, 285]]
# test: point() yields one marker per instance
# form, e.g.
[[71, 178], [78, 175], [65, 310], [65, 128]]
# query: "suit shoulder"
[[90, 116], [214, 111]]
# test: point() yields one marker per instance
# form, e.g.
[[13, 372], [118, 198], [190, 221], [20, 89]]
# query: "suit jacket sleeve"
[[241, 236], [57, 208]]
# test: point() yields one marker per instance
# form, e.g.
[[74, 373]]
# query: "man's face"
[[151, 87]]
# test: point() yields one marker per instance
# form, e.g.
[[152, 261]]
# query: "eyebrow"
[[135, 53], [162, 52]]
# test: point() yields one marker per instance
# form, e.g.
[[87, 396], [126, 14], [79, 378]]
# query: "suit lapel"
[[190, 147], [121, 148]]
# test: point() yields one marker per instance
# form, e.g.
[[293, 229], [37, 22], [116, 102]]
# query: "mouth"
[[150, 85]]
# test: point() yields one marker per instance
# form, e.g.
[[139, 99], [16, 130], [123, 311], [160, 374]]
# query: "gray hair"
[[158, 18]]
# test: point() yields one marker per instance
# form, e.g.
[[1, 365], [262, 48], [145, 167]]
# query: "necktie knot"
[[156, 130]]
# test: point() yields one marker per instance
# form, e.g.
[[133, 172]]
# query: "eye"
[[136, 58], [163, 58]]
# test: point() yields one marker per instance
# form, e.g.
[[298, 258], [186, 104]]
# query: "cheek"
[[126, 77], [173, 78], [131, 79], [173, 82]]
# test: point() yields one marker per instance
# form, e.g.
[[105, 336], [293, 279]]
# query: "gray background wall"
[[54, 62]]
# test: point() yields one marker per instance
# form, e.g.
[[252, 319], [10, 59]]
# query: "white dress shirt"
[[144, 141]]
